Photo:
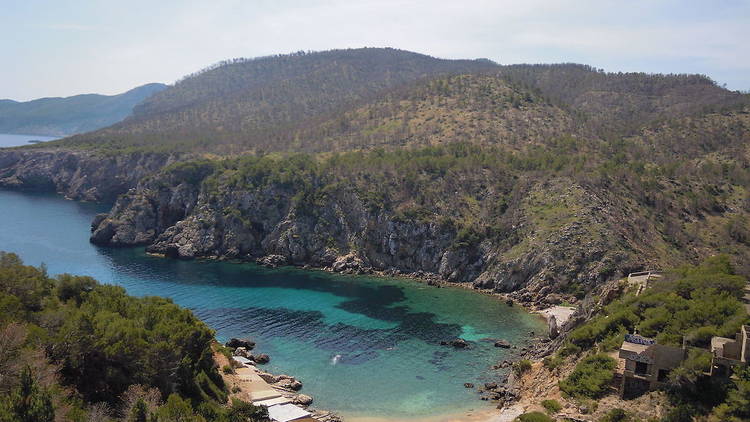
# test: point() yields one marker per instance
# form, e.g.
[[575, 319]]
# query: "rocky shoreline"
[[287, 386], [78, 175]]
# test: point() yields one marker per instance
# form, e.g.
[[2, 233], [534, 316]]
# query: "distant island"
[[71, 115]]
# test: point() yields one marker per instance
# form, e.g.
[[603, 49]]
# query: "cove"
[[362, 346]]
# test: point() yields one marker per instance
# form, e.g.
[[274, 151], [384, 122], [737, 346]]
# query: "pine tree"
[[27, 402]]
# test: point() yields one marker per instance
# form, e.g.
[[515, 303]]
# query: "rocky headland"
[[76, 174], [541, 260]]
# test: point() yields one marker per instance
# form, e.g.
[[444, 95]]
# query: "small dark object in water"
[[419, 377], [459, 343], [509, 302], [468, 385], [503, 344]]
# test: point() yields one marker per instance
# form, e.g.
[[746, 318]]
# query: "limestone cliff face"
[[78, 175], [571, 247]]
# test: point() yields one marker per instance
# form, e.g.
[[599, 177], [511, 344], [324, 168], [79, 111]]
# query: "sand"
[[561, 313]]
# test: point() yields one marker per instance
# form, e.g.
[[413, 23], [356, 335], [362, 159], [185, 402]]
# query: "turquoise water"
[[362, 346], [12, 140]]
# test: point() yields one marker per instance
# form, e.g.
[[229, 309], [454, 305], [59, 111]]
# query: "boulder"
[[553, 299], [350, 264], [503, 344], [554, 331], [468, 385], [459, 343], [273, 260], [302, 399], [269, 378], [289, 383], [240, 342], [261, 358], [241, 351], [490, 385]]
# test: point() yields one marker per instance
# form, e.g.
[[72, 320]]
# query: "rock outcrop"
[[343, 233], [79, 175]]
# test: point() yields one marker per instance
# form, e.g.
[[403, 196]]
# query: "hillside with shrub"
[[76, 350], [555, 217], [343, 100], [257, 104], [616, 104]]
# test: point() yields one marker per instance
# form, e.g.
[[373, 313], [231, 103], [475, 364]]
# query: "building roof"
[[719, 342], [272, 402], [286, 412], [632, 347]]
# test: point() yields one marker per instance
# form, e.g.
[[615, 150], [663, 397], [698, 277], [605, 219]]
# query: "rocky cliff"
[[557, 236], [79, 175]]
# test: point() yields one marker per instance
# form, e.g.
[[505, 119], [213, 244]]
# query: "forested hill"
[[619, 103], [70, 115], [242, 105], [371, 97]]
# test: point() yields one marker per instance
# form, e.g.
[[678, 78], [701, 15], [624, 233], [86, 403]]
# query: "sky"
[[66, 47]]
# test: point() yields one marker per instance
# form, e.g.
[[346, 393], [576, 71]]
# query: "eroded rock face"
[[78, 175], [185, 219]]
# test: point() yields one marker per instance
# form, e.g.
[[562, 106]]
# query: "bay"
[[362, 346]]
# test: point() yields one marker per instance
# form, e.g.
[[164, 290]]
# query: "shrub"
[[616, 415], [534, 417], [552, 362], [227, 369], [590, 378], [521, 367], [551, 406], [569, 349]]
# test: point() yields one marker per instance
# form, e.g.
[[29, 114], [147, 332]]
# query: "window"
[[641, 368]]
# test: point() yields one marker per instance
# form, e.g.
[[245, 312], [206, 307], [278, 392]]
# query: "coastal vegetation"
[[552, 406], [534, 417], [73, 349], [541, 181], [691, 303], [591, 377]]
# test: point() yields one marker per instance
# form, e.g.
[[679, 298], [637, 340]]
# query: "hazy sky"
[[66, 47]]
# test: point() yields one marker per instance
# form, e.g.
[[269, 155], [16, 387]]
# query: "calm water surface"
[[8, 140], [362, 346]]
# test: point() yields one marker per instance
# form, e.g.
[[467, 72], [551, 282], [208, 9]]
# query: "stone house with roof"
[[646, 364]]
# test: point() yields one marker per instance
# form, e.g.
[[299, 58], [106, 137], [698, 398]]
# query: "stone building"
[[646, 364], [728, 353]]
